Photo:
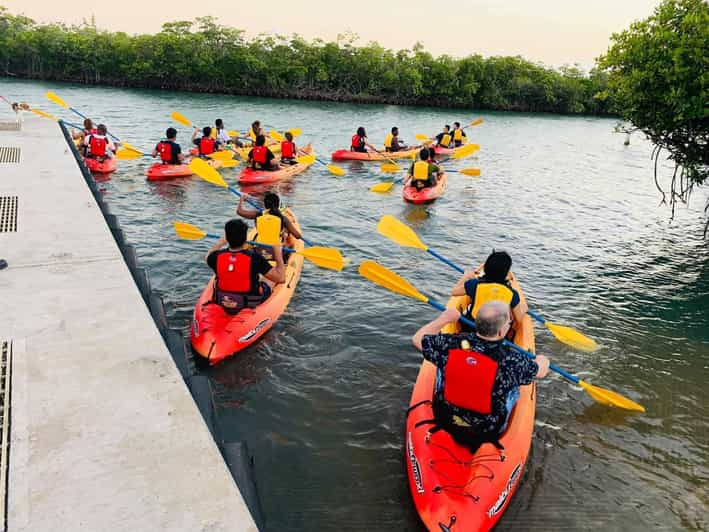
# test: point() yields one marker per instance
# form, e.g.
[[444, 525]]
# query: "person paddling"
[[393, 143], [494, 284], [220, 133], [98, 146], [423, 173], [271, 205], [444, 138], [260, 157], [288, 150], [359, 141], [478, 377], [169, 150], [81, 135], [205, 144], [237, 270], [459, 136]]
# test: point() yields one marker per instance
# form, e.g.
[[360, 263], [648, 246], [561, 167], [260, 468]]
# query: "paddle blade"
[[275, 135], [206, 172], [296, 131], [188, 231], [229, 164], [180, 118], [336, 170], [422, 137], [399, 232], [56, 99], [465, 151], [390, 167], [130, 147], [233, 133], [470, 171], [476, 122], [572, 337], [329, 258], [222, 155], [127, 155], [44, 115], [306, 159], [380, 275], [606, 397], [382, 187]]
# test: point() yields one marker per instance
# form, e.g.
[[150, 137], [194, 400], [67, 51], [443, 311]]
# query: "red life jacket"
[[259, 154], [97, 146], [469, 380], [165, 151], [357, 142], [206, 145], [234, 272], [90, 131], [287, 149]]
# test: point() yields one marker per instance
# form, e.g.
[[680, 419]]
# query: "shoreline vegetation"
[[204, 56]]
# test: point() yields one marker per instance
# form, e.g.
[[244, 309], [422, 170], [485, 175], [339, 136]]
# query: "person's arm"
[[216, 247], [459, 287], [111, 146], [246, 212], [269, 156], [155, 151], [450, 315], [366, 143], [178, 152], [543, 364], [291, 228], [194, 136], [277, 274]]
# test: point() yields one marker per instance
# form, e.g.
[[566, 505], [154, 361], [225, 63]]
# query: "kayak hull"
[[163, 172], [105, 166], [249, 176], [425, 195], [448, 484], [216, 335], [348, 155]]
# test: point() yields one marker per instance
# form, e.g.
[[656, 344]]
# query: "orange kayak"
[[216, 335], [249, 176], [101, 166], [162, 172], [348, 155], [425, 195], [453, 489]]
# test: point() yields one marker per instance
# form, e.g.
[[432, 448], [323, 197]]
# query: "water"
[[321, 399]]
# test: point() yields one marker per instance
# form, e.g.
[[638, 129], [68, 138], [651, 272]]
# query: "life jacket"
[[469, 380], [268, 229], [420, 171], [287, 149], [97, 145], [251, 134], [206, 145], [485, 292], [446, 140], [165, 150], [232, 289], [357, 142], [458, 135], [213, 134], [259, 154], [387, 140]]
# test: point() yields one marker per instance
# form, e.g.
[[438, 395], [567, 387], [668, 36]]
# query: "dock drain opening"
[[9, 126], [8, 214], [5, 398], [9, 154]]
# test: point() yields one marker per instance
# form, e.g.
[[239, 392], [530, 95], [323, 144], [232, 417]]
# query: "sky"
[[554, 32]]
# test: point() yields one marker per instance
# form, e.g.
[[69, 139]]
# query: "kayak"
[[244, 152], [349, 155], [162, 172], [453, 489], [216, 335], [249, 176], [425, 195], [105, 166]]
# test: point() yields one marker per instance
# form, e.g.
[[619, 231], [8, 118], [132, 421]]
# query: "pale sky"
[[555, 32]]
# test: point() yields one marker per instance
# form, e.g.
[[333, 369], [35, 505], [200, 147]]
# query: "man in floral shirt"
[[478, 378]]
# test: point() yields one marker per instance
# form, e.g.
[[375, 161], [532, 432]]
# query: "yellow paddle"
[[229, 164], [310, 158], [380, 275], [474, 123], [181, 119], [224, 155], [329, 258], [403, 235]]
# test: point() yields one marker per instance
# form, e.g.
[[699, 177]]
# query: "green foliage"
[[658, 74], [202, 55]]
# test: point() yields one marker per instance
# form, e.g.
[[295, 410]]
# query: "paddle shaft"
[[469, 323]]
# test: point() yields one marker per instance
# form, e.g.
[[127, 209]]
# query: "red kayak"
[[349, 155], [453, 489], [425, 195], [101, 166], [216, 335], [446, 151], [162, 172], [249, 176]]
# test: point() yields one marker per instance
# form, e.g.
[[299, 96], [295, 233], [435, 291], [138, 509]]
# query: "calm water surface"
[[321, 399]]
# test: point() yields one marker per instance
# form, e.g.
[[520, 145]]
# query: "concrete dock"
[[99, 427]]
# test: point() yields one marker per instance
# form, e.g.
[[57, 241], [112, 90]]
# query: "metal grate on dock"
[[8, 214], [9, 154], [5, 399]]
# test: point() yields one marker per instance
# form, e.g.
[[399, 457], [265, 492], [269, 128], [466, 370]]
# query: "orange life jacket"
[[165, 151], [97, 146], [469, 380], [357, 142], [206, 145], [259, 154], [287, 149], [234, 272]]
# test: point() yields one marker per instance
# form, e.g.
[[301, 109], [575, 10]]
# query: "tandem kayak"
[[425, 195], [453, 489], [348, 155], [446, 151], [162, 172], [249, 176], [101, 166], [216, 335]]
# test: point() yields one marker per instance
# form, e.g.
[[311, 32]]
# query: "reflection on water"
[[321, 399]]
